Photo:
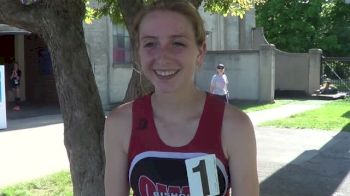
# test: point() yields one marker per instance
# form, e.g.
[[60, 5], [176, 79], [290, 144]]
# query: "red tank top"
[[158, 169]]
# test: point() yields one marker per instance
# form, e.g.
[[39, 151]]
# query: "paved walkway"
[[303, 162], [290, 162], [31, 152]]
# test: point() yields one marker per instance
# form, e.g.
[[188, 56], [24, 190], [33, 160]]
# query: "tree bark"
[[59, 23], [138, 84], [80, 105]]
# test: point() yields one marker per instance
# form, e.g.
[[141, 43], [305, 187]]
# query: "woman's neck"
[[181, 103]]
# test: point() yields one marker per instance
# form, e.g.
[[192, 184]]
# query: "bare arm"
[[211, 88], [116, 142], [240, 147]]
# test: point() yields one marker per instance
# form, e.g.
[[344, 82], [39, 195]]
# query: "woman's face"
[[220, 70], [168, 53]]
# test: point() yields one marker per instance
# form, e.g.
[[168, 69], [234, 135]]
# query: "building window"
[[121, 45]]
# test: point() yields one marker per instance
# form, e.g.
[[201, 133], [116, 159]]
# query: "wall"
[[228, 33], [291, 71], [294, 71], [97, 36], [118, 83], [241, 68], [250, 73], [222, 32], [298, 71]]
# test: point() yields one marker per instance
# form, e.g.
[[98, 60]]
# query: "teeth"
[[165, 73]]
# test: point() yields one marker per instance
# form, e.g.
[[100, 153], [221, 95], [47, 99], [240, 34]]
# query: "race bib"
[[202, 175]]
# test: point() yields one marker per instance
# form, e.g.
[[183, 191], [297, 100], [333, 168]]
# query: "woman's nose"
[[164, 51]]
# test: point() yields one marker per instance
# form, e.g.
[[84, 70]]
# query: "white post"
[[267, 73], [3, 122]]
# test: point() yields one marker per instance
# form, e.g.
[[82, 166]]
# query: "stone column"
[[266, 73], [314, 70], [246, 25]]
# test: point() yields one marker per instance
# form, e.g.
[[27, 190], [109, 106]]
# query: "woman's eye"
[[149, 44], [179, 44]]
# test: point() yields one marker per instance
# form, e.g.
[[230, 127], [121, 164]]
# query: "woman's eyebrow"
[[148, 37], [179, 36], [155, 37]]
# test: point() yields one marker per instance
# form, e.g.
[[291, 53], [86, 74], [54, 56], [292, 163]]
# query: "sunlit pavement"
[[29, 153]]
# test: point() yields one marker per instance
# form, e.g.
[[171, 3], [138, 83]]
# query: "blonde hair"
[[182, 7]]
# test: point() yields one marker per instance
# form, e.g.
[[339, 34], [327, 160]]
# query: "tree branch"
[[129, 10], [13, 13], [30, 17]]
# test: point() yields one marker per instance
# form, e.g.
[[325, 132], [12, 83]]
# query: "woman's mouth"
[[165, 74]]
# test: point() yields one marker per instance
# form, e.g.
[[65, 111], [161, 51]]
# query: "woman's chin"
[[165, 89]]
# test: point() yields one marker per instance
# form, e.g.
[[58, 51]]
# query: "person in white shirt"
[[219, 82]]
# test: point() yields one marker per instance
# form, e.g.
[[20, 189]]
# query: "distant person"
[[15, 81], [328, 88], [219, 82], [323, 78]]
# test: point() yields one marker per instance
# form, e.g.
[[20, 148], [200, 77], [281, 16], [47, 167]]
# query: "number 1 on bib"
[[202, 175]]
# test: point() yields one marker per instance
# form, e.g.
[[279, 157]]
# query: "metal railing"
[[337, 69]]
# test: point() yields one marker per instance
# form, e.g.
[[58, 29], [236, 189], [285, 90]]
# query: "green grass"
[[332, 116], [58, 184]]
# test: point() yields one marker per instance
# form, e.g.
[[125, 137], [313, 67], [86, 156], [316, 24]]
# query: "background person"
[[219, 82], [147, 140], [328, 88], [15, 80]]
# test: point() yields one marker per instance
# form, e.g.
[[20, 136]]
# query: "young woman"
[[148, 140], [219, 82]]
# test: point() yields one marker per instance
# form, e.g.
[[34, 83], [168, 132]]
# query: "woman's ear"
[[201, 55]]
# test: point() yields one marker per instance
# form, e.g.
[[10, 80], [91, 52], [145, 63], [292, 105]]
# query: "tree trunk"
[[59, 23], [80, 105]]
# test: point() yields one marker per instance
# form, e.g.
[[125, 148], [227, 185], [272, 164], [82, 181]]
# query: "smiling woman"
[[169, 55], [177, 140]]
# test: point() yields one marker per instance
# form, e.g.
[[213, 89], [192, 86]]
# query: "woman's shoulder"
[[118, 125], [236, 123], [237, 130], [120, 114], [235, 117]]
